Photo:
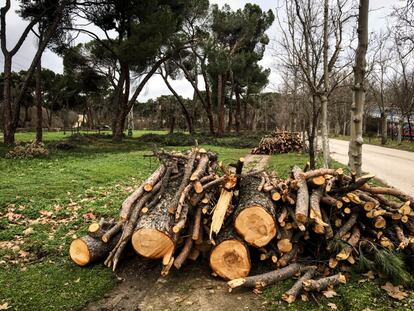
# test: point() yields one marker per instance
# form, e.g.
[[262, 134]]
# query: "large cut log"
[[254, 218], [87, 249], [302, 200], [230, 259], [153, 237]]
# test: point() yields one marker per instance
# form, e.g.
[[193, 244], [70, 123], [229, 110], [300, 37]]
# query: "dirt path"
[[192, 288], [255, 161]]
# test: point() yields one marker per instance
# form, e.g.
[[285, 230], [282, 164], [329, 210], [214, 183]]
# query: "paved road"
[[395, 167]]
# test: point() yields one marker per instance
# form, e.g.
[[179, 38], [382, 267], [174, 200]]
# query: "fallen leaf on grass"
[[332, 306], [77, 280], [329, 293], [23, 254], [4, 306], [89, 216], [28, 231], [370, 275], [46, 213], [394, 291]]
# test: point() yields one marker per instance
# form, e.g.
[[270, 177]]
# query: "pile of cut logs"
[[279, 142], [314, 223]]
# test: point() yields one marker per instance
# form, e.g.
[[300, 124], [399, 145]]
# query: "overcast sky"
[[156, 87]]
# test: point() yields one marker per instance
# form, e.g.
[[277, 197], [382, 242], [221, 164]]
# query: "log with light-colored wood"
[[254, 218]]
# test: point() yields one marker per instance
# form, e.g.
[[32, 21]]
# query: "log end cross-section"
[[254, 219], [151, 243], [230, 260], [86, 250], [255, 225]]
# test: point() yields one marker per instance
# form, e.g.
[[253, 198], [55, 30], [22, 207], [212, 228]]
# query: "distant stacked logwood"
[[279, 142]]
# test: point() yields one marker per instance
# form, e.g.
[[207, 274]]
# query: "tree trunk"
[[357, 108], [324, 97], [186, 113], [324, 131], [409, 127], [220, 105], [399, 130], [172, 124], [384, 127], [245, 125], [119, 125], [238, 110], [39, 112], [8, 130], [230, 123], [209, 104]]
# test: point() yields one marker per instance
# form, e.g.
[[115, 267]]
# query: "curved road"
[[395, 167]]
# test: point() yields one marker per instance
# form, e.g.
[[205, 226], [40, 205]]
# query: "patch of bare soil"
[[191, 288], [136, 277], [255, 161]]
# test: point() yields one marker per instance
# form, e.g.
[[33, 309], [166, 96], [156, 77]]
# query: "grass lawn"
[[45, 203], [405, 144], [57, 197]]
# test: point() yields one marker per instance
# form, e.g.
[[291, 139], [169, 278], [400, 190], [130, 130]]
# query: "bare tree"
[[357, 109], [305, 49], [11, 111], [378, 73]]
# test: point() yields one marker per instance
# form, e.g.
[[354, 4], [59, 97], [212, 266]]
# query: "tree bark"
[[357, 108], [400, 129], [384, 128], [238, 110], [39, 112], [186, 113], [324, 96], [220, 105], [7, 106]]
